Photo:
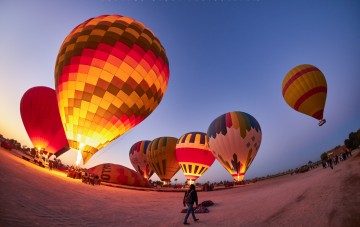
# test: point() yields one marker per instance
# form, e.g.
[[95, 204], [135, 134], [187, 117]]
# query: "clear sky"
[[224, 56]]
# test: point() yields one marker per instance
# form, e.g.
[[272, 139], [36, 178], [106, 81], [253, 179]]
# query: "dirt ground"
[[34, 196]]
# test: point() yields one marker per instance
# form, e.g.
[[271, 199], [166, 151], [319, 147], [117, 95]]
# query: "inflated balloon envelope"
[[111, 72], [137, 155], [40, 115], [161, 156], [304, 89], [194, 155], [118, 174], [235, 138]]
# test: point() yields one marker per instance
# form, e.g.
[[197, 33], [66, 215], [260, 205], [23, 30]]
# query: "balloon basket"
[[321, 122]]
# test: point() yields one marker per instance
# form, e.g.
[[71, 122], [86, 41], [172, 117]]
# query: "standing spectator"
[[190, 198], [50, 165], [330, 163]]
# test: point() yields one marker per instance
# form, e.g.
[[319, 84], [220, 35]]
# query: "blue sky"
[[224, 56]]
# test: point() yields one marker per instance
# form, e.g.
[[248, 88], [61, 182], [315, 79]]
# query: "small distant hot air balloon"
[[161, 156], [194, 155], [137, 155], [304, 89], [111, 72], [235, 138], [118, 174], [40, 115]]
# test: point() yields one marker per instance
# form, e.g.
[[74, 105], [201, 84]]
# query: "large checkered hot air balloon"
[[235, 138], [161, 156], [304, 89], [137, 155], [40, 115], [111, 73], [194, 155]]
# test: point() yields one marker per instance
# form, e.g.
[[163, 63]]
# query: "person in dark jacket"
[[190, 203]]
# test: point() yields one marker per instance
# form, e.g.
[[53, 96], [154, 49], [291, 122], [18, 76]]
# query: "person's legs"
[[193, 213], [190, 210]]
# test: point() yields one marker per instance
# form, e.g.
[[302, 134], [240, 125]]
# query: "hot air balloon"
[[137, 155], [161, 156], [111, 72], [40, 115], [304, 89], [235, 138], [118, 174], [194, 155]]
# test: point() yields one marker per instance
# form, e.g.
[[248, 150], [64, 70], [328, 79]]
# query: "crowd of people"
[[55, 164], [90, 178], [336, 159], [84, 175]]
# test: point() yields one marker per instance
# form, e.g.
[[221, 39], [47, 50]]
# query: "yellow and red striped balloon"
[[111, 72], [304, 89], [194, 155]]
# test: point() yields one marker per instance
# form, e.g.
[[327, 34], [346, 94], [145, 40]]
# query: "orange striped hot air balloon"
[[194, 155], [111, 72], [160, 154], [304, 89]]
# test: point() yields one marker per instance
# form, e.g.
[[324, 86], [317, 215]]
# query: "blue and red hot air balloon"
[[137, 155]]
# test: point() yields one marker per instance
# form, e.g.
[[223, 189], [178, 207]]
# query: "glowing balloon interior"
[[111, 72], [304, 89], [234, 139], [194, 155], [137, 155]]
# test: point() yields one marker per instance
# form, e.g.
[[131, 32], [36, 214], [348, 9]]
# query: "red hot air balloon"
[[137, 155], [118, 174], [194, 155], [40, 115]]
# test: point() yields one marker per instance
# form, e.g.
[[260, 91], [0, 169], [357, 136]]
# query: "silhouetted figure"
[[324, 164], [330, 163], [190, 198]]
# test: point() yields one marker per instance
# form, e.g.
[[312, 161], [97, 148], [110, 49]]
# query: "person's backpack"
[[188, 197]]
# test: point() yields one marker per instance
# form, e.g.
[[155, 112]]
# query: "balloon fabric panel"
[[111, 73], [117, 174]]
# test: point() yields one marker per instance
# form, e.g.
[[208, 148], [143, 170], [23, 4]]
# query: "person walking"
[[330, 162], [190, 198]]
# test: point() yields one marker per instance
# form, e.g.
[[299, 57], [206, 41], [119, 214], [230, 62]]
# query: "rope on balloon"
[[103, 150]]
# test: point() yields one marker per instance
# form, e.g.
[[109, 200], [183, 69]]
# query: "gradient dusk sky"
[[223, 55]]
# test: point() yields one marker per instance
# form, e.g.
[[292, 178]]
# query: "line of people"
[[90, 178], [334, 160], [84, 175]]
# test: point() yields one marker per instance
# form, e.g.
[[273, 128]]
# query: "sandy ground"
[[34, 196]]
